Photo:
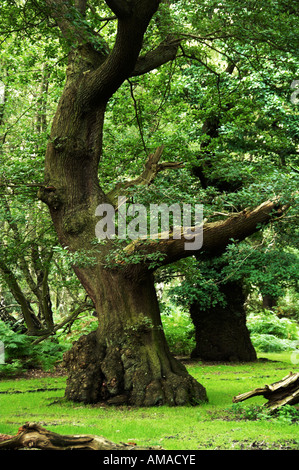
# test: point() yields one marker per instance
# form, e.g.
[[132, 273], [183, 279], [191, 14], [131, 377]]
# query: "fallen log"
[[284, 392], [33, 436]]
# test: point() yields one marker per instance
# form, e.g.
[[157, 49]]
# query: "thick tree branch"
[[216, 236], [151, 168], [121, 8], [284, 392], [165, 52], [59, 10], [100, 84], [107, 71], [76, 32]]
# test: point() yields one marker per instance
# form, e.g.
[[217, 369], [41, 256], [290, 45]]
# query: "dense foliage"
[[223, 108]]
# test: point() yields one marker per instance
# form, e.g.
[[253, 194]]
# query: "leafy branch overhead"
[[151, 168]]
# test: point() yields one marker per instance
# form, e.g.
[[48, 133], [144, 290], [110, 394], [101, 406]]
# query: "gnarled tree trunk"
[[127, 360]]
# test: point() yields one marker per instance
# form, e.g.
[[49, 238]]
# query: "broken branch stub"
[[284, 392]]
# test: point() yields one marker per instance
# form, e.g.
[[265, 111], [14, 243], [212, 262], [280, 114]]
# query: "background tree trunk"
[[33, 324], [220, 332], [269, 302]]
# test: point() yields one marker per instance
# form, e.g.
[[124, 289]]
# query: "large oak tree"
[[127, 359]]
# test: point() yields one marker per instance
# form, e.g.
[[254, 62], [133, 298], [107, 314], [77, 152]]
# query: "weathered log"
[[33, 436], [284, 392]]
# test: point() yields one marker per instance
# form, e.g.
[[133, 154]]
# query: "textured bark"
[[220, 332], [33, 436]]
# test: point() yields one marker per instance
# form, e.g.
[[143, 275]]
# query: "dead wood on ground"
[[33, 436], [284, 392]]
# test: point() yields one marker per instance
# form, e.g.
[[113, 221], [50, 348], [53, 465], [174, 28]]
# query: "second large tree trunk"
[[127, 359], [221, 332]]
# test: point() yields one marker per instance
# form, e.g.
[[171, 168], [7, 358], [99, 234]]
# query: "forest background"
[[221, 117]]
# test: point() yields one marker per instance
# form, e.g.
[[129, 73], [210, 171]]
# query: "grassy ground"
[[219, 424]]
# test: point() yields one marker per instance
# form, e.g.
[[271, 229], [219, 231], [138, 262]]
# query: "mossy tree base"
[[130, 372]]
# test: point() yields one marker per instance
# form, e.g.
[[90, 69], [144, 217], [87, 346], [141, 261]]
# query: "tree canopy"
[[162, 102]]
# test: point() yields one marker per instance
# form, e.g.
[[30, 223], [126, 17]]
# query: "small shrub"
[[11, 369], [239, 411], [286, 414], [178, 329], [47, 354], [20, 354], [269, 333], [269, 323], [270, 343], [16, 344]]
